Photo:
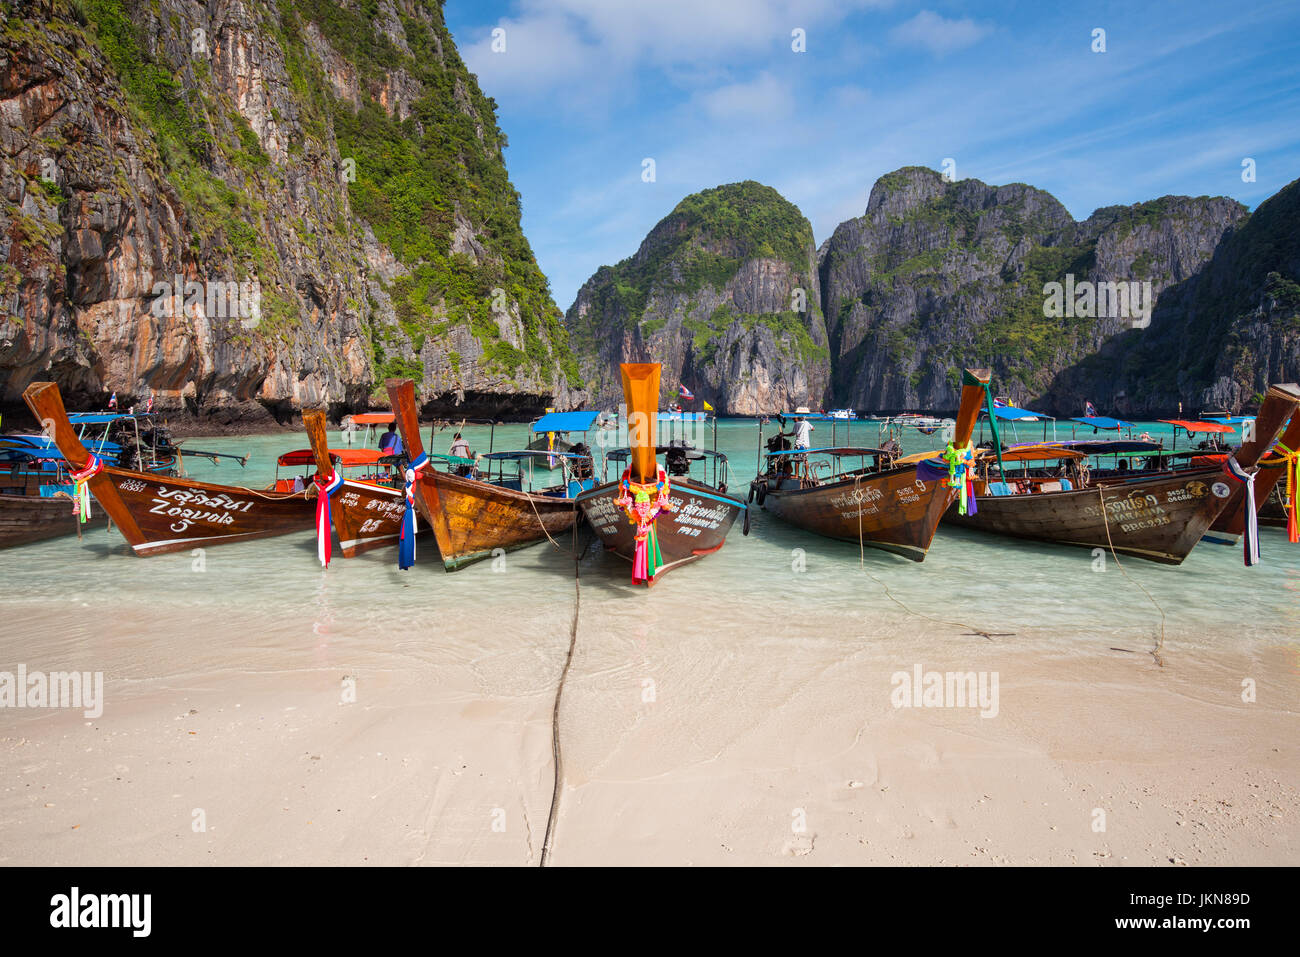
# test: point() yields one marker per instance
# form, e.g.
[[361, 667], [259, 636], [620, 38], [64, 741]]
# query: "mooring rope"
[[559, 692], [1105, 520], [862, 563]]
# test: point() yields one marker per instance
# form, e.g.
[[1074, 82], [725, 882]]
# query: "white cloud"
[[932, 32], [764, 96]]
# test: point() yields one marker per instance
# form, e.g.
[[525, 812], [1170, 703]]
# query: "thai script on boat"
[[697, 513], [57, 689], [857, 496], [1130, 300], [171, 503], [946, 689], [603, 513]]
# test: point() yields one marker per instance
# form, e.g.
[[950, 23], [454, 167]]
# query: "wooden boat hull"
[[159, 515], [366, 517], [29, 518], [895, 511], [1159, 518], [471, 519], [697, 527]]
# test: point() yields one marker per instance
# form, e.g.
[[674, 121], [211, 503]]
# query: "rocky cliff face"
[[320, 184], [1218, 338], [938, 275], [724, 293]]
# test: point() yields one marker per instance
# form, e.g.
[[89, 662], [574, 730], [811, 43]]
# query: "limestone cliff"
[[724, 293], [937, 275], [334, 158]]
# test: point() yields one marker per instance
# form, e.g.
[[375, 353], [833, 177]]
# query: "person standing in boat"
[[390, 443], [803, 429], [460, 447]]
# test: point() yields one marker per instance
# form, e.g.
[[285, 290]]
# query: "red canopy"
[[373, 418], [1211, 427], [348, 458]]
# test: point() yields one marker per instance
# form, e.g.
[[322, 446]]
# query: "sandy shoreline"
[[679, 747]]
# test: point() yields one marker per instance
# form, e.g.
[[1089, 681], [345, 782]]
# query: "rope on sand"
[[1160, 643], [862, 563], [559, 692]]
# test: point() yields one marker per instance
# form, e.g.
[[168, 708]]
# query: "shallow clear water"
[[240, 602]]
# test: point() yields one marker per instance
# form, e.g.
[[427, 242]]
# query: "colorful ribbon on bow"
[[94, 465], [1250, 537], [1289, 459], [642, 504], [961, 468], [325, 487], [406, 542]]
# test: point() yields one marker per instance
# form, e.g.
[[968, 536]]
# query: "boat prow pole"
[[401, 395], [1279, 402], [46, 403], [641, 392], [313, 422], [974, 388]]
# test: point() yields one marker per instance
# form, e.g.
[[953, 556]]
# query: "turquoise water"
[[273, 593]]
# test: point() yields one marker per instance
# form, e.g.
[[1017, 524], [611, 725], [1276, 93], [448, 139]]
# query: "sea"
[[231, 605]]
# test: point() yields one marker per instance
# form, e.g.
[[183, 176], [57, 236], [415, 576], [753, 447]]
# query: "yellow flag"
[[707, 407]]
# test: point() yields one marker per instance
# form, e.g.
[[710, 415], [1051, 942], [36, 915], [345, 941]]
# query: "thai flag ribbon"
[[1250, 537], [94, 465], [325, 487], [406, 541]]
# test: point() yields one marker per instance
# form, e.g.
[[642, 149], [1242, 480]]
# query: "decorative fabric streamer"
[[325, 487], [406, 543], [1289, 459], [642, 505], [94, 466], [1250, 538], [961, 463]]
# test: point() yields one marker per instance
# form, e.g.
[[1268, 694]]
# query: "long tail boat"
[[364, 513], [35, 503], [656, 521], [1279, 465], [471, 518], [890, 504], [1159, 516], [158, 514]]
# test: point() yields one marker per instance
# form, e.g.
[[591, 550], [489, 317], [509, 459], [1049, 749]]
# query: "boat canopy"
[[521, 454], [1212, 428], [683, 416], [840, 451], [1230, 419], [348, 458], [373, 418], [1102, 446], [1103, 422], [620, 455], [105, 418], [1036, 453], [579, 421], [810, 416], [1012, 414]]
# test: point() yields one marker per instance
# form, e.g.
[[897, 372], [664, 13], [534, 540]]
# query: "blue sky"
[[1011, 92]]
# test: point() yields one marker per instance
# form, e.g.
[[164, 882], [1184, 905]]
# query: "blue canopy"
[[579, 421], [1103, 422], [1230, 419], [683, 416], [1013, 414], [103, 418], [811, 416], [522, 454]]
